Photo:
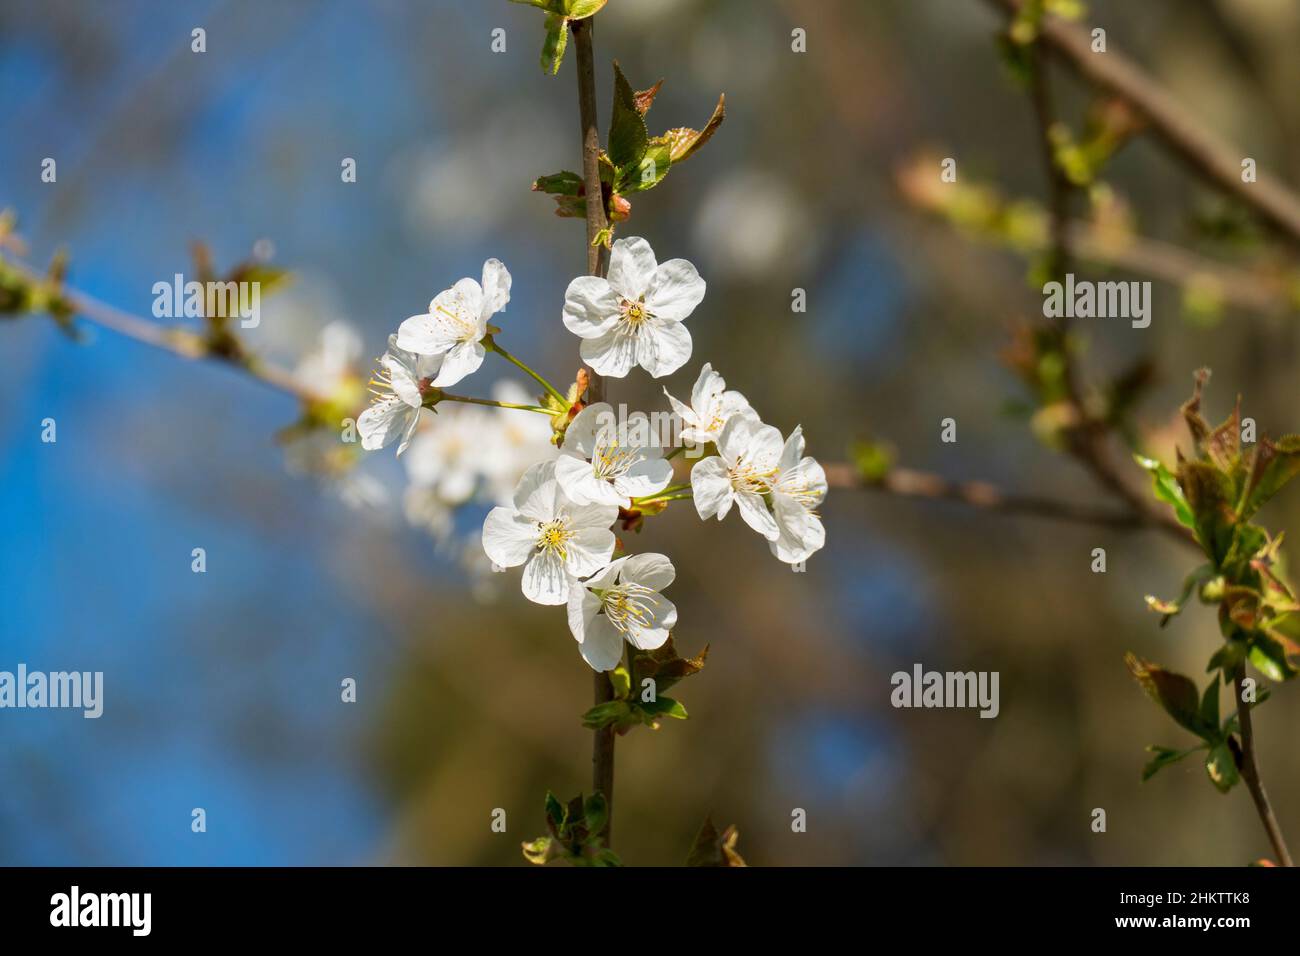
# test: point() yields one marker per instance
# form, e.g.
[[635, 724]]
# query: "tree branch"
[[602, 749], [1211, 156]]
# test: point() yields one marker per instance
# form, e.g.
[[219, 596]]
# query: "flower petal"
[[602, 645], [508, 537], [545, 579], [425, 335], [590, 307], [653, 570], [645, 477], [675, 290], [496, 288], [383, 423], [535, 495], [654, 632], [754, 511], [632, 267], [613, 353], [663, 347], [580, 436], [588, 551], [462, 359], [711, 488], [801, 533]]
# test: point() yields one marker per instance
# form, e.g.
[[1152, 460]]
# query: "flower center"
[[612, 459], [554, 535], [745, 477], [634, 314], [628, 606], [380, 386], [463, 326]]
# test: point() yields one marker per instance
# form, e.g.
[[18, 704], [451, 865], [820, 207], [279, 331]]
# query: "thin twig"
[[602, 750], [1250, 770], [1089, 439], [910, 483], [1208, 154]]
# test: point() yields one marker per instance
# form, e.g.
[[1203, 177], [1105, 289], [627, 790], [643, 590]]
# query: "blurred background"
[[222, 689]]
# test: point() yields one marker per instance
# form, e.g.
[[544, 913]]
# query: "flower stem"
[[491, 345], [657, 499], [439, 396], [661, 493]]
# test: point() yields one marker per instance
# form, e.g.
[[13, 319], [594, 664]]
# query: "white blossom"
[[396, 389], [622, 601], [604, 461], [712, 405], [635, 316], [513, 441], [749, 455], [456, 322], [555, 539], [445, 456], [797, 490]]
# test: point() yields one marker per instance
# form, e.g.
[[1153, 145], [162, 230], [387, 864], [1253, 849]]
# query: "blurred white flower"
[[635, 316], [515, 441], [456, 322], [555, 539], [331, 366], [607, 462], [446, 456], [752, 224], [712, 406], [425, 509], [797, 490], [396, 402], [622, 601]]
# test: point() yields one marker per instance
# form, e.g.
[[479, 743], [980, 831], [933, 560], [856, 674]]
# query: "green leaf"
[[554, 811], [714, 849], [1175, 693], [1210, 704], [557, 39], [665, 707], [596, 813], [621, 682], [1166, 489], [683, 142], [1169, 608], [1221, 767], [1209, 494], [563, 183], [1275, 655], [665, 666], [581, 9], [1164, 756], [1227, 657], [540, 851], [649, 172], [607, 714], [627, 132], [1275, 464]]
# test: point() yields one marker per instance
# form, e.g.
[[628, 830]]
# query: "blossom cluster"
[[557, 520]]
